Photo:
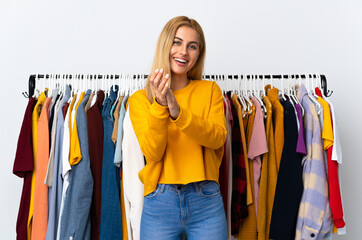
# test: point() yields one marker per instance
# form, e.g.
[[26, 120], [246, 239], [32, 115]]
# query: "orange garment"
[[123, 213], [75, 154], [278, 122], [243, 139], [116, 120], [248, 230], [40, 214], [35, 118], [268, 179]]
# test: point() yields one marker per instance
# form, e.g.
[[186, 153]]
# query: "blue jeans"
[[195, 209]]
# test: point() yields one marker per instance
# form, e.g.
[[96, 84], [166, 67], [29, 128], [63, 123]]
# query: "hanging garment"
[[198, 133], [65, 166], [249, 227], [301, 135], [52, 126], [40, 214], [289, 187], [268, 178], [111, 219], [75, 220], [23, 168], [75, 154], [116, 114], [56, 189], [257, 147], [314, 217], [95, 139], [228, 162], [278, 121], [239, 209], [35, 117], [335, 199], [119, 139], [132, 164]]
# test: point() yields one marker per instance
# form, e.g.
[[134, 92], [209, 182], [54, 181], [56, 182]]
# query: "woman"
[[180, 125]]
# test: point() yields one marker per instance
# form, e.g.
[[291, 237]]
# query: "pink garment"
[[257, 147]]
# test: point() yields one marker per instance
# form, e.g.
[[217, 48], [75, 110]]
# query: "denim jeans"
[[173, 210]]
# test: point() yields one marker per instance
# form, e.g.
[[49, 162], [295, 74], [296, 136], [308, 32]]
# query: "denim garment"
[[173, 210], [55, 191], [122, 114], [111, 219], [75, 221]]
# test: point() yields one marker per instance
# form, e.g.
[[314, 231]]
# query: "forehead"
[[187, 34]]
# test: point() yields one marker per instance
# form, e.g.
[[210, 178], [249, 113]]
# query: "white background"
[[264, 37]]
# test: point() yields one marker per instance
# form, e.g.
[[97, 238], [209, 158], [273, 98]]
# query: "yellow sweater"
[[185, 150]]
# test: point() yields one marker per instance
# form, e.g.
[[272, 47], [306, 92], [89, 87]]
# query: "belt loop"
[[162, 188], [197, 187]]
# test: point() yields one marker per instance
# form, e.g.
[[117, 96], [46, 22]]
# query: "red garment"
[[95, 141], [239, 209], [223, 177], [23, 168], [335, 199], [65, 109]]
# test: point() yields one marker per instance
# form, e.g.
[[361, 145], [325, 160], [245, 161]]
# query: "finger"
[[165, 90], [158, 78], [163, 82]]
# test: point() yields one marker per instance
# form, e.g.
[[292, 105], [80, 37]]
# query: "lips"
[[180, 61]]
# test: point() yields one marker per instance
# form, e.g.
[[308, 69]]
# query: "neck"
[[179, 81]]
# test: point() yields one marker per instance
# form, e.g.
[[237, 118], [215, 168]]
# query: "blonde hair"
[[164, 44]]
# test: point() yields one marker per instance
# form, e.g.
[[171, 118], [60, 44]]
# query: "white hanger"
[[240, 96], [282, 88], [320, 85], [311, 96]]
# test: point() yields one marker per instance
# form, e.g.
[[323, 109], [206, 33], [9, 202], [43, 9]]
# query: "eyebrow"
[[189, 42]]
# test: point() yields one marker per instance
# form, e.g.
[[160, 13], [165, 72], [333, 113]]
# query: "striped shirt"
[[314, 217]]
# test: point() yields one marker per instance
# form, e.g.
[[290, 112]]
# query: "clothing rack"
[[33, 77]]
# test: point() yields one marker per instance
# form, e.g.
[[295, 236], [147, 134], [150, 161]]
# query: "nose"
[[183, 49]]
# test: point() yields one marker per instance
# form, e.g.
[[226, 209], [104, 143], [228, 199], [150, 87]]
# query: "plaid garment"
[[314, 218], [239, 209]]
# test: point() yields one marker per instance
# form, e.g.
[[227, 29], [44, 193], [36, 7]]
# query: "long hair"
[[164, 44]]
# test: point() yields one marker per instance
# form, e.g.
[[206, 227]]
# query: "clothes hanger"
[[257, 96], [311, 96], [240, 97], [281, 91]]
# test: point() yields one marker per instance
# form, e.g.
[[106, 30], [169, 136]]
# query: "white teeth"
[[180, 60]]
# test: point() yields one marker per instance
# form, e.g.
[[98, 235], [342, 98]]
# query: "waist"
[[185, 187]]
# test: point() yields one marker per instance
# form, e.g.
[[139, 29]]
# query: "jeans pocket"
[[154, 193], [209, 189]]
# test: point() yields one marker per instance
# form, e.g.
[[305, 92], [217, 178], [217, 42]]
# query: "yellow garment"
[[35, 118], [188, 149], [123, 212], [278, 122], [248, 229], [268, 179], [75, 154], [248, 132], [327, 132], [243, 140]]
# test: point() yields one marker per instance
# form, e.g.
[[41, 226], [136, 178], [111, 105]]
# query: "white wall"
[[266, 37]]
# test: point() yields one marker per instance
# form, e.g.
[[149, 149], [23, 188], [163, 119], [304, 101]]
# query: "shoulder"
[[207, 85], [138, 98]]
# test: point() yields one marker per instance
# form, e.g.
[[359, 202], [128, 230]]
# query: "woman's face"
[[184, 51]]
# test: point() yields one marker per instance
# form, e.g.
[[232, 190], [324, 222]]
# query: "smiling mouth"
[[180, 60]]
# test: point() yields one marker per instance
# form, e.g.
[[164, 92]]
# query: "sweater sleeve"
[[150, 123], [210, 132]]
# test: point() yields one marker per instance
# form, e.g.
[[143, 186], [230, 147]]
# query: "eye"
[[176, 42], [194, 47]]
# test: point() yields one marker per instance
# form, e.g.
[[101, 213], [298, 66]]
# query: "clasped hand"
[[164, 95]]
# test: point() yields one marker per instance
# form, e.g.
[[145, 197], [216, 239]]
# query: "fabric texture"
[[239, 210], [111, 219], [75, 221], [289, 188], [199, 133], [132, 163], [196, 210], [95, 141], [314, 217], [23, 168]]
